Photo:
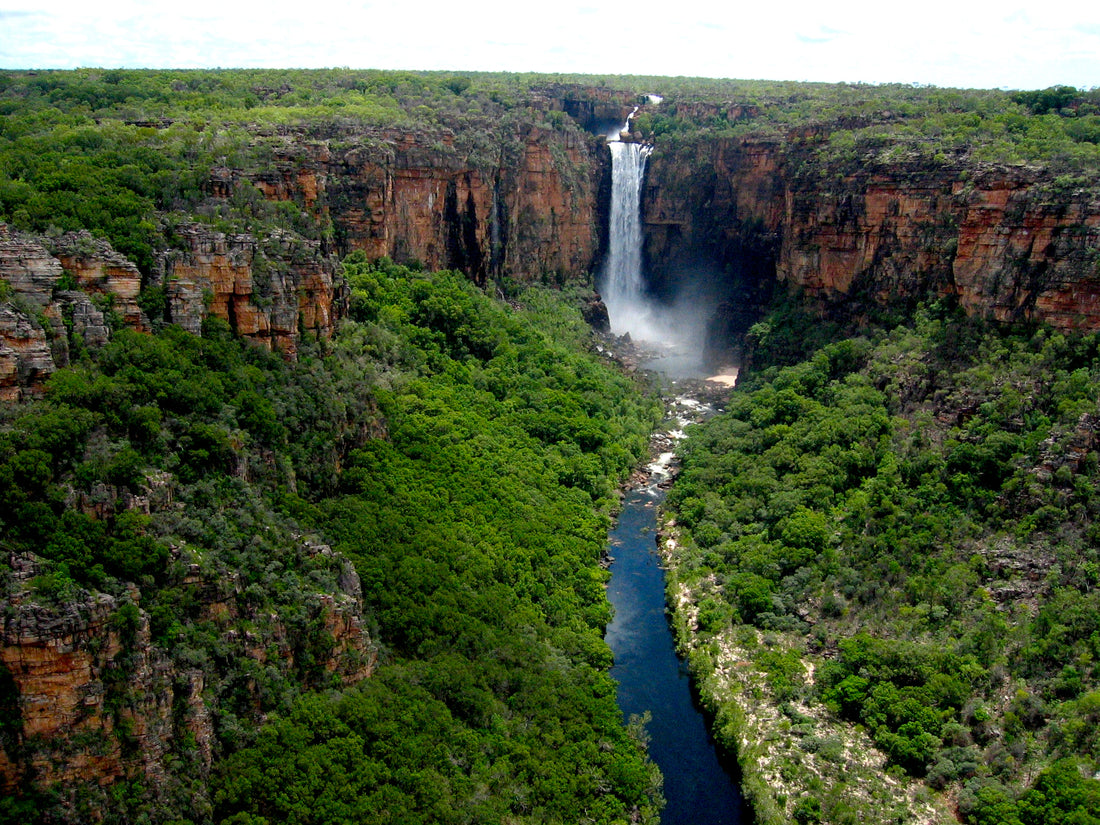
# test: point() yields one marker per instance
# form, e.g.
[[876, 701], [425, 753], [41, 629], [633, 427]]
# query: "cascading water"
[[623, 290], [675, 330]]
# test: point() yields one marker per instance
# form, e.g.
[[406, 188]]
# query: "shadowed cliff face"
[[530, 213], [726, 220], [1007, 242], [713, 220]]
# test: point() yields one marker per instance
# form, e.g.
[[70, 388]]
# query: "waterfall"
[[623, 286], [674, 326], [496, 247]]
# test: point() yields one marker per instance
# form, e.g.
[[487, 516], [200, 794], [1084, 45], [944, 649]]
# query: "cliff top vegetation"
[[1057, 128], [125, 153]]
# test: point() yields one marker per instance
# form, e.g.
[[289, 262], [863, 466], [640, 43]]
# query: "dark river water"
[[651, 677]]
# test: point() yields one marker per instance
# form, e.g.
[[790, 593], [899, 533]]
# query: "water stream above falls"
[[651, 677]]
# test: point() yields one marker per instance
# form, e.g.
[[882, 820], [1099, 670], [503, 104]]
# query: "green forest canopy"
[[849, 475], [915, 512], [462, 454]]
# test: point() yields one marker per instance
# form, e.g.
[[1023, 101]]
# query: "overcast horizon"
[[977, 45]]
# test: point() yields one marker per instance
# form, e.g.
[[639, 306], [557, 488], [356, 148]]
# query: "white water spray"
[[623, 288], [676, 329]]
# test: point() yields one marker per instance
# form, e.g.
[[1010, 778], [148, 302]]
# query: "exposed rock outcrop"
[[25, 356], [83, 675], [28, 267], [1007, 242], [98, 700], [269, 290], [1010, 243], [99, 270], [523, 205], [28, 276]]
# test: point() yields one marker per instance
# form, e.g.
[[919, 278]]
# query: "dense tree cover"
[[463, 453], [914, 512], [926, 496], [128, 154], [853, 125], [129, 183], [273, 96]]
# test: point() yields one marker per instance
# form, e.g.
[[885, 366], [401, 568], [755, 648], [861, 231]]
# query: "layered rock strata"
[[1008, 242], [97, 700], [98, 269], [269, 290], [28, 274], [66, 292]]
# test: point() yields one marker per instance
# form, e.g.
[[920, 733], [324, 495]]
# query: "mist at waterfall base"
[[675, 328]]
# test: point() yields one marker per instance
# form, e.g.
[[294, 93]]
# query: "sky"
[[964, 43]]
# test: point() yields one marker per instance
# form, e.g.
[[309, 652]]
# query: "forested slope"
[[885, 565], [461, 452], [889, 546]]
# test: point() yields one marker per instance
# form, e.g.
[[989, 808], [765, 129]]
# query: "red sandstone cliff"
[[98, 701], [269, 289], [1007, 241], [522, 205], [101, 271]]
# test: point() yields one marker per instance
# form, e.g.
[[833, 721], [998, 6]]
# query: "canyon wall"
[[1009, 243], [740, 216], [521, 205], [269, 289], [91, 700], [96, 700], [88, 698], [850, 234]]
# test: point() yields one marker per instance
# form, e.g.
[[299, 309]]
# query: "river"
[[698, 790], [651, 677]]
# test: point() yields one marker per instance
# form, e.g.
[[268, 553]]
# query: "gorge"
[[726, 221], [256, 448], [652, 680]]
